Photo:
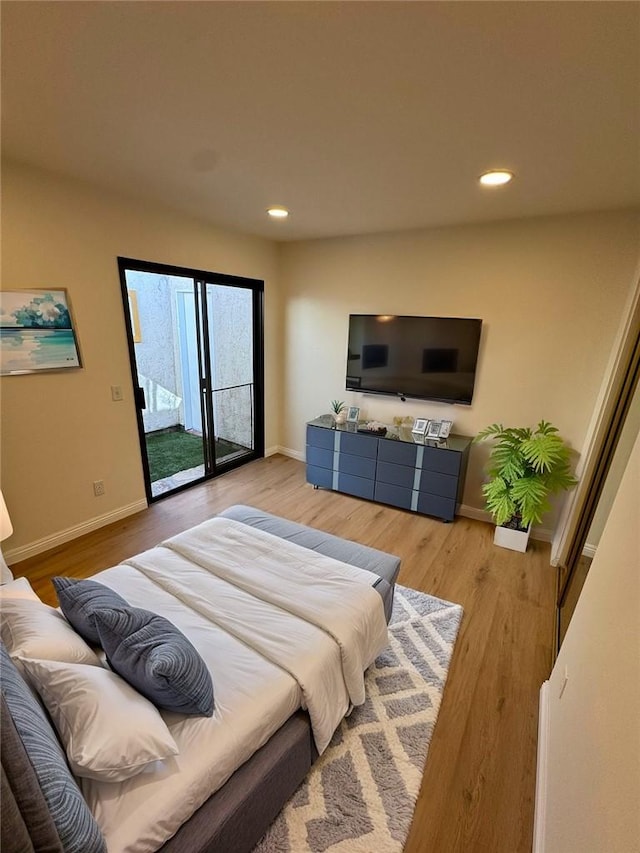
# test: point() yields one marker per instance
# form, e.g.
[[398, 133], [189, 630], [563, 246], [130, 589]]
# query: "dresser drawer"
[[358, 486], [398, 451], [319, 456], [443, 485], [394, 495], [319, 437], [395, 475], [435, 505], [320, 476], [443, 461], [361, 466], [358, 445]]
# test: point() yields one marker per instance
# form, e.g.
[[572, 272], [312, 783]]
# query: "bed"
[[253, 593]]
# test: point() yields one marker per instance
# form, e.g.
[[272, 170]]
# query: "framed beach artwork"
[[36, 332]]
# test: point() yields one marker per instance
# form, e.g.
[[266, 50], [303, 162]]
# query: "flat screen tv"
[[429, 358]]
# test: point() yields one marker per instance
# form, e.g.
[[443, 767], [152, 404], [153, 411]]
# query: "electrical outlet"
[[98, 488], [116, 393]]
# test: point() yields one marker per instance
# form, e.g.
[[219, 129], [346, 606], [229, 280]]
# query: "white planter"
[[515, 540], [340, 418]]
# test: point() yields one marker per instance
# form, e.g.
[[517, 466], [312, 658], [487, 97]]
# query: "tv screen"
[[430, 358]]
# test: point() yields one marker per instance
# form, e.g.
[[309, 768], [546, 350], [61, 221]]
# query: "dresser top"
[[458, 443]]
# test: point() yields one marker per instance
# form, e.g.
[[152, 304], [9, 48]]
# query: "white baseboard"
[[40, 545], [287, 451], [541, 771], [542, 534], [271, 451], [474, 513]]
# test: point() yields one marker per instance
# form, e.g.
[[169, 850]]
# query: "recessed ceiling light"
[[496, 178], [277, 211]]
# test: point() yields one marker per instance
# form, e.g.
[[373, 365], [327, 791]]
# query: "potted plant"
[[339, 411], [525, 466]]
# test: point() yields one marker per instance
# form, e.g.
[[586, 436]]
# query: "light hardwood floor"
[[477, 794]]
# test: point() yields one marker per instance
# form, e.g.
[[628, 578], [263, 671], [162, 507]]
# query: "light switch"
[[116, 393]]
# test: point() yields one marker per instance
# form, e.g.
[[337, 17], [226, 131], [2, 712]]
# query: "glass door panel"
[[231, 348], [163, 319]]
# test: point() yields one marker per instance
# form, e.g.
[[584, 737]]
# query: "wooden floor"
[[477, 794]]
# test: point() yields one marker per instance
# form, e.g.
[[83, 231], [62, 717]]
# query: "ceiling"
[[360, 117]]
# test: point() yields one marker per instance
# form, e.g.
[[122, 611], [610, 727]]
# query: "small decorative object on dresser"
[[420, 426], [445, 429], [353, 413], [433, 429], [339, 411], [373, 428]]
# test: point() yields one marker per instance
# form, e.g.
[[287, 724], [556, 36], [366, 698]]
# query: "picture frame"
[[353, 414], [433, 430], [37, 331], [420, 426], [445, 429]]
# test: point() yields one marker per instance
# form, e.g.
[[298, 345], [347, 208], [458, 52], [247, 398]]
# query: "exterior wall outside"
[[232, 343], [157, 354], [159, 358]]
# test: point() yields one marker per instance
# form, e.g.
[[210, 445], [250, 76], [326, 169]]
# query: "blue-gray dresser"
[[422, 477]]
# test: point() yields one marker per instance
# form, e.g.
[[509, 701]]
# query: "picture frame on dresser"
[[353, 414], [445, 429], [433, 429], [420, 426]]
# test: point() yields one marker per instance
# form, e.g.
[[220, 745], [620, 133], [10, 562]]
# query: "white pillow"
[[18, 588], [31, 629], [109, 731]]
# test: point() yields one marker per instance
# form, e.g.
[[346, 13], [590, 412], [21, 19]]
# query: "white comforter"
[[279, 627]]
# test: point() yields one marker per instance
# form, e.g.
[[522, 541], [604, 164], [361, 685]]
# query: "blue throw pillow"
[[156, 659], [79, 600]]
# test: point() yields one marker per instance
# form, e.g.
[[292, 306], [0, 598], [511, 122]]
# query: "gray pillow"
[[156, 659], [75, 825], [79, 600]]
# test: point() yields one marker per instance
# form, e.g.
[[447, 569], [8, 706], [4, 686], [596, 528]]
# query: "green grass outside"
[[170, 452]]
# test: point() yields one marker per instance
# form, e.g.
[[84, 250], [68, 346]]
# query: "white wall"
[[61, 431], [550, 292], [592, 786]]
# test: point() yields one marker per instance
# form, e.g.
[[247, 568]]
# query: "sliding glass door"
[[195, 341]]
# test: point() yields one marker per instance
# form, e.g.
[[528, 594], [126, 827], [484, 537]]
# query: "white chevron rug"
[[360, 795]]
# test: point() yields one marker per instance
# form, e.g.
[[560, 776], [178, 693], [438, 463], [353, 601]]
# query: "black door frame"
[[257, 290]]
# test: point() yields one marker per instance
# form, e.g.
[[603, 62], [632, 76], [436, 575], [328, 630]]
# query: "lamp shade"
[[6, 528]]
